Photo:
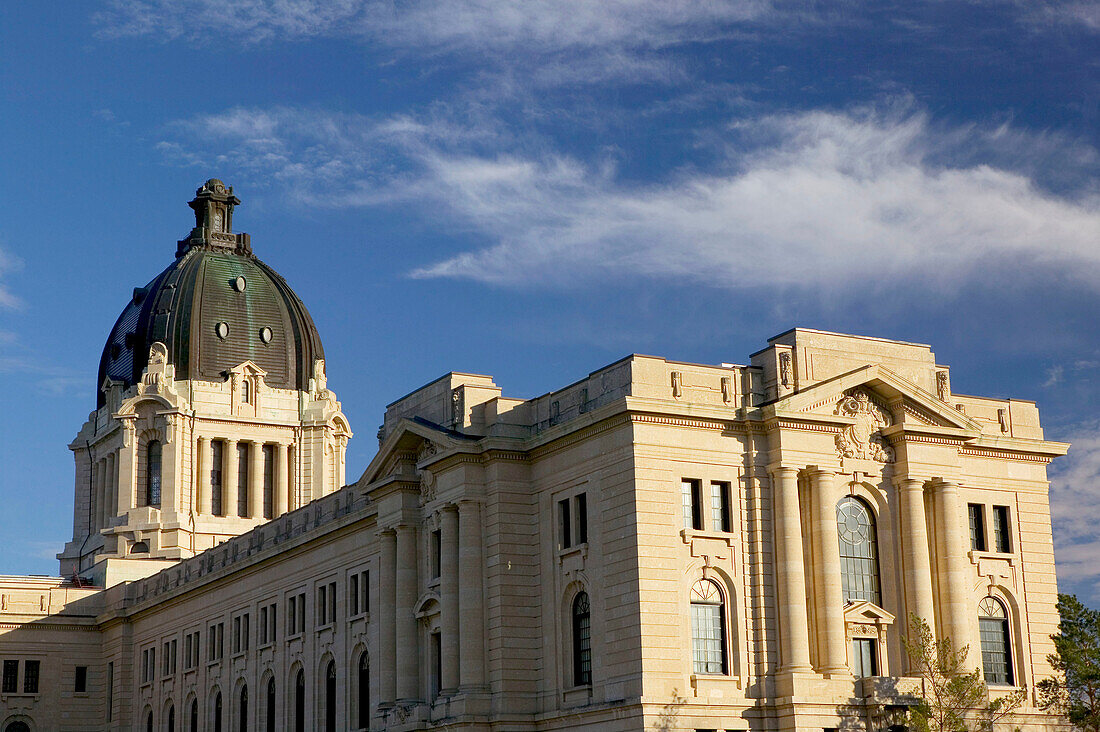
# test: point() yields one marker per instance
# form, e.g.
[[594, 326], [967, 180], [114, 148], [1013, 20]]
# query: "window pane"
[[563, 523], [707, 639], [1001, 540], [11, 677], [152, 474], [719, 506], [858, 551], [582, 641], [30, 677], [582, 519], [864, 657], [996, 655], [977, 527]]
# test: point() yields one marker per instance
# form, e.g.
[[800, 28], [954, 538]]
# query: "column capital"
[[448, 508], [784, 470], [817, 470], [387, 531], [944, 486], [906, 483]]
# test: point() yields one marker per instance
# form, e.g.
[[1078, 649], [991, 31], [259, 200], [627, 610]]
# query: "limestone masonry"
[[660, 545]]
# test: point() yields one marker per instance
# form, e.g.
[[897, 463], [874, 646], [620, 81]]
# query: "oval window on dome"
[[239, 284], [222, 329], [266, 334]]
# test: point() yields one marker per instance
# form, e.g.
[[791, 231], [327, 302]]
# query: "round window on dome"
[[266, 334], [222, 329], [239, 284]]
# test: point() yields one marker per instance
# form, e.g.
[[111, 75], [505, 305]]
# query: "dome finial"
[[213, 205]]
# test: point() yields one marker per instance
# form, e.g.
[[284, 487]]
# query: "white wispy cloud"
[[1075, 512], [8, 264], [799, 199]]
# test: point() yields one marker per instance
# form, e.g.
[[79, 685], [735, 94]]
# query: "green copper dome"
[[214, 307]]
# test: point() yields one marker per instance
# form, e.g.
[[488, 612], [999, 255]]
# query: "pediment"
[[866, 612], [411, 442], [247, 368], [881, 392]]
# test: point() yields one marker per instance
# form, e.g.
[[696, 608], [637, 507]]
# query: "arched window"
[[270, 722], [242, 714], [149, 722], [300, 702], [152, 473], [858, 551], [171, 726], [194, 721], [17, 727], [330, 697], [218, 712], [246, 391], [996, 642], [582, 640], [708, 629], [364, 691]]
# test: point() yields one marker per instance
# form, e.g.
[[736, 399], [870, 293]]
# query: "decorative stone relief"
[[457, 408], [727, 389], [427, 487], [943, 386], [863, 440], [785, 377], [677, 384]]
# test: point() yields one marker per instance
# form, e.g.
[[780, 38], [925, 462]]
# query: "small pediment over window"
[[863, 611]]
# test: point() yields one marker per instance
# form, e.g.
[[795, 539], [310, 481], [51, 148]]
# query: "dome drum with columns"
[[213, 413]]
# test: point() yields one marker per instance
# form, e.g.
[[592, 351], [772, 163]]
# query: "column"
[[954, 546], [790, 572], [408, 678], [230, 462], [256, 480], [282, 486], [386, 610], [112, 486], [292, 489], [915, 556], [830, 591], [470, 598], [127, 463], [448, 597], [203, 465]]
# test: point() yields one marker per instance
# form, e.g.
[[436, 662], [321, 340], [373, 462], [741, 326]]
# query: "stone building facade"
[[659, 545]]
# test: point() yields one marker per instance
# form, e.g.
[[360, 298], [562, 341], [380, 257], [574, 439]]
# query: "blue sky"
[[532, 190]]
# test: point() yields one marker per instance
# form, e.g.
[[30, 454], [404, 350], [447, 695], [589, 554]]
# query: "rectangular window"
[[353, 594], [708, 639], [291, 615], [692, 502], [168, 658], [216, 642], [269, 481], [864, 657], [322, 605], [437, 552], [217, 456], [581, 502], [11, 677], [110, 690], [996, 661], [243, 479], [30, 676], [720, 507], [263, 626], [81, 681], [977, 526], [332, 602], [565, 532], [1002, 541], [237, 634], [302, 612], [437, 664], [364, 589]]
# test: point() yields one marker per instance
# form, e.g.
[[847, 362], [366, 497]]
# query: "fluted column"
[[230, 462], [387, 609], [407, 647], [954, 547], [790, 572], [470, 596], [202, 476], [256, 480], [915, 552], [830, 591], [448, 597], [282, 486]]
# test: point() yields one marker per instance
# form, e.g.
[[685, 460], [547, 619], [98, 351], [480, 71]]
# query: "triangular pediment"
[[249, 368], [885, 390], [412, 441], [864, 611]]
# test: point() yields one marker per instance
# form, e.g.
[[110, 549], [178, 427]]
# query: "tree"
[[952, 698], [1074, 691]]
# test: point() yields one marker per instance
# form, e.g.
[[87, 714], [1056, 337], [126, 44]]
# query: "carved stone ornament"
[[785, 369], [943, 386], [427, 449], [863, 440], [427, 487]]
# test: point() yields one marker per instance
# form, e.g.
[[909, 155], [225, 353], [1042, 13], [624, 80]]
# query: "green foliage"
[[952, 698], [1075, 690]]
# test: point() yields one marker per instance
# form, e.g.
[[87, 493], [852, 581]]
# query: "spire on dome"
[[213, 206]]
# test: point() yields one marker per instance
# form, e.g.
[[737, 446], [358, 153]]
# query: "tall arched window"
[[708, 629], [270, 722], [194, 721], [218, 712], [242, 712], [364, 691], [996, 642], [300, 702], [330, 697], [171, 726], [152, 473], [149, 722], [246, 391], [858, 551], [582, 640]]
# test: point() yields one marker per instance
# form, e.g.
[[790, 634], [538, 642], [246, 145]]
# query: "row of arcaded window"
[[219, 721]]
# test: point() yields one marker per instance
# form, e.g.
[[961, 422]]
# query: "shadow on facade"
[[882, 706]]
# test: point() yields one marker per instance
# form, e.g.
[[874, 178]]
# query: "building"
[[659, 545]]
